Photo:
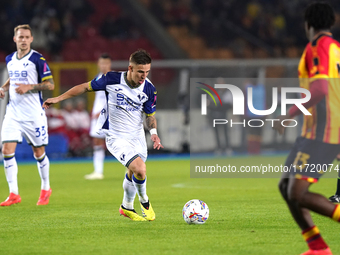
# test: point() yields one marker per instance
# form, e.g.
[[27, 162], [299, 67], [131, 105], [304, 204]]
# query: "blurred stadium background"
[[186, 38]]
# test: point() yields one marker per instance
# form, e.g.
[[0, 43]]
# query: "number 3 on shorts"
[[38, 133], [303, 158]]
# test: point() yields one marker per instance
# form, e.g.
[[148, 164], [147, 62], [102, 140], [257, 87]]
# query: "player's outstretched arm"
[[45, 85], [4, 88], [318, 90], [151, 124], [73, 92]]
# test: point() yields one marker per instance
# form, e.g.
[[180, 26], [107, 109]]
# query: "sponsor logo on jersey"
[[18, 75], [46, 68], [123, 100]]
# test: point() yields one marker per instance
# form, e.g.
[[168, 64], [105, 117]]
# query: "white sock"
[[141, 189], [129, 193], [98, 159], [11, 171], [44, 171]]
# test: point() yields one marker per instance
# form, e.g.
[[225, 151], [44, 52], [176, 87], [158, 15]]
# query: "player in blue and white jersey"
[[29, 74], [104, 66], [128, 95]]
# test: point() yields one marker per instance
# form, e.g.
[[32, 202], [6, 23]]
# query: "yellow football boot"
[[131, 214], [148, 212]]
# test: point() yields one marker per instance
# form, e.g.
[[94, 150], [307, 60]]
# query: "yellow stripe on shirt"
[[47, 77], [90, 86]]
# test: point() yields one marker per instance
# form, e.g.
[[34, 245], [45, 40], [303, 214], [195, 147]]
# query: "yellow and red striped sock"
[[336, 213], [313, 238]]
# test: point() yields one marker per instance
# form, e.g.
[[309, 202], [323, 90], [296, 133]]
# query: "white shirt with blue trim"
[[31, 69], [125, 104]]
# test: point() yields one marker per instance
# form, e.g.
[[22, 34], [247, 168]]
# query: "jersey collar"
[[23, 56], [127, 83], [318, 36]]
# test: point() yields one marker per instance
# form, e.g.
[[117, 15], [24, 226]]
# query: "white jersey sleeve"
[[99, 100]]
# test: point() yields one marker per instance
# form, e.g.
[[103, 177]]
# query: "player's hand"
[[49, 102], [156, 142], [23, 88], [2, 93], [95, 116], [277, 125], [338, 157]]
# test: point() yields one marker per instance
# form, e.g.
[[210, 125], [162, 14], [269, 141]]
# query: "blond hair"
[[25, 26]]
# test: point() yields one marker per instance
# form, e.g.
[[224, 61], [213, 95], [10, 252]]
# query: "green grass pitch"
[[247, 216]]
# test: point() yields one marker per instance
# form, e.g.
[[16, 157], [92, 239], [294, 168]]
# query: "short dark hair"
[[105, 56], [140, 57], [320, 15]]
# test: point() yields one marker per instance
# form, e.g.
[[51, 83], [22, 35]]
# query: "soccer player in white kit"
[[129, 95], [29, 74], [104, 66]]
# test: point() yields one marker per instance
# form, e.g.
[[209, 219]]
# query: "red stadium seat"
[[144, 43], [115, 54], [116, 44], [132, 45], [85, 55], [69, 55], [155, 54], [71, 44], [85, 32]]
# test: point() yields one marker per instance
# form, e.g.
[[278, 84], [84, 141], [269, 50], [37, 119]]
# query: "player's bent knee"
[[296, 196], [138, 168], [298, 191], [140, 175], [140, 172], [38, 151]]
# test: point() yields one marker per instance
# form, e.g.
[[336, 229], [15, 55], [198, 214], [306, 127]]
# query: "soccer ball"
[[195, 212]]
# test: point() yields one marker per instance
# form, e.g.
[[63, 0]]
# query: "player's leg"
[[127, 207], [129, 191], [300, 200], [11, 172], [336, 198], [10, 136], [294, 192], [123, 151], [294, 188], [301, 215], [138, 168], [43, 164], [98, 159], [36, 134]]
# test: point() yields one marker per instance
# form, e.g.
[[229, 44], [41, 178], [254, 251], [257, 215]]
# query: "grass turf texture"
[[247, 216]]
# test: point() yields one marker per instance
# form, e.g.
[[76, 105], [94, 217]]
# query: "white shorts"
[[126, 150], [35, 132], [93, 130]]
